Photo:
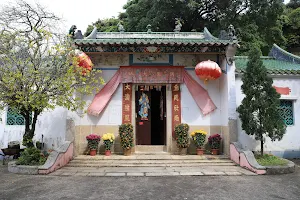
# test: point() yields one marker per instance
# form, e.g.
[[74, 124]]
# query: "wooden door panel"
[[143, 117]]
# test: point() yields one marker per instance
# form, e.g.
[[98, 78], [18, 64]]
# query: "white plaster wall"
[[111, 115], [50, 124], [191, 113], [291, 140]]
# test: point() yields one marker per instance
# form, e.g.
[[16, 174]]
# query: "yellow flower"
[[201, 132], [192, 134], [109, 136]]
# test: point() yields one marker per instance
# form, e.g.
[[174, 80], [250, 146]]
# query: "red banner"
[[176, 106], [126, 106]]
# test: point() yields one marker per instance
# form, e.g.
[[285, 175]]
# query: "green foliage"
[[104, 25], [39, 68], [31, 156], [270, 160], [126, 135], [182, 136], [107, 144], [257, 22], [93, 144], [199, 138], [259, 111], [292, 27], [293, 4]]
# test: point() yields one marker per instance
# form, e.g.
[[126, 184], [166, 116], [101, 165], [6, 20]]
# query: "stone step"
[[149, 161], [152, 157], [148, 164], [147, 149]]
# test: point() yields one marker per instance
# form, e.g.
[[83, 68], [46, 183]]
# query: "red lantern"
[[208, 70], [85, 62]]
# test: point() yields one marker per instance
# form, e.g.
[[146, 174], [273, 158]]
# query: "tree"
[[259, 111], [293, 4], [104, 25], [256, 22], [291, 27], [38, 68]]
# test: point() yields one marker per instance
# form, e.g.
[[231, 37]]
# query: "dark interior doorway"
[[151, 128]]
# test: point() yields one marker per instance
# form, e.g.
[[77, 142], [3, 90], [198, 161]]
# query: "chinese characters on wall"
[[176, 106], [127, 97]]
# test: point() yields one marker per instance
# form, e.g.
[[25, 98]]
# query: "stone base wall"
[[82, 131]]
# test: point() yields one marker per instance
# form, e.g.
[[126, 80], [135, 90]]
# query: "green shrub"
[[182, 136], [270, 160], [126, 135], [31, 156]]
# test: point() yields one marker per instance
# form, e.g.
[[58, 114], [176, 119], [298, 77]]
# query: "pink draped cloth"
[[199, 94], [102, 98]]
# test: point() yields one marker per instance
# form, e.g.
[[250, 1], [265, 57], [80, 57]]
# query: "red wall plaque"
[[283, 90]]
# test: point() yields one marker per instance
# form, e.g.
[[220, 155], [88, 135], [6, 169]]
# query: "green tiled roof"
[[274, 66], [160, 38], [152, 41]]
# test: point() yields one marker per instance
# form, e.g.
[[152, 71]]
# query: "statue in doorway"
[[144, 106]]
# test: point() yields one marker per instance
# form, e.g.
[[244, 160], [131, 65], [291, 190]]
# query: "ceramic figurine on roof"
[[72, 31], [231, 32], [149, 28], [120, 27], [178, 25]]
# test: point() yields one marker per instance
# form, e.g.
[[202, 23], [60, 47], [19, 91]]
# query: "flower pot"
[[127, 152], [200, 151], [182, 151], [93, 152], [215, 151], [107, 153]]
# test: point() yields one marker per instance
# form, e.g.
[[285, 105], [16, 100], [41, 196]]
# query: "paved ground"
[[153, 171], [175, 187]]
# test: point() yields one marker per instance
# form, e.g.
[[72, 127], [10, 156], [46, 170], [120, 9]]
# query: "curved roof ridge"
[[208, 35], [281, 54]]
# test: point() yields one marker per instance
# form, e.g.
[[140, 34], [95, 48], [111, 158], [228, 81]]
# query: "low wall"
[[247, 160], [56, 159]]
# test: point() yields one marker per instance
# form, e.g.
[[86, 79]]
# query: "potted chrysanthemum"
[[93, 141], [199, 139], [215, 143], [126, 137], [108, 140], [182, 138]]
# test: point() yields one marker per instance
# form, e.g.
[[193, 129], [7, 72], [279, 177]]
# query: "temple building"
[[150, 81]]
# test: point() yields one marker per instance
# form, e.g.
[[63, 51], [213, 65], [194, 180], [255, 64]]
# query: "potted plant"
[[108, 140], [182, 137], [199, 139], [93, 141], [214, 142], [126, 137]]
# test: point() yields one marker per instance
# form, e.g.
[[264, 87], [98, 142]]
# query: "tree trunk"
[[261, 145], [29, 132]]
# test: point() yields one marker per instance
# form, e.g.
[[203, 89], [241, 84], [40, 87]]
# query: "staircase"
[[141, 164]]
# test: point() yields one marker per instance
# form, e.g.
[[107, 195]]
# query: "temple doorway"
[[150, 103]]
